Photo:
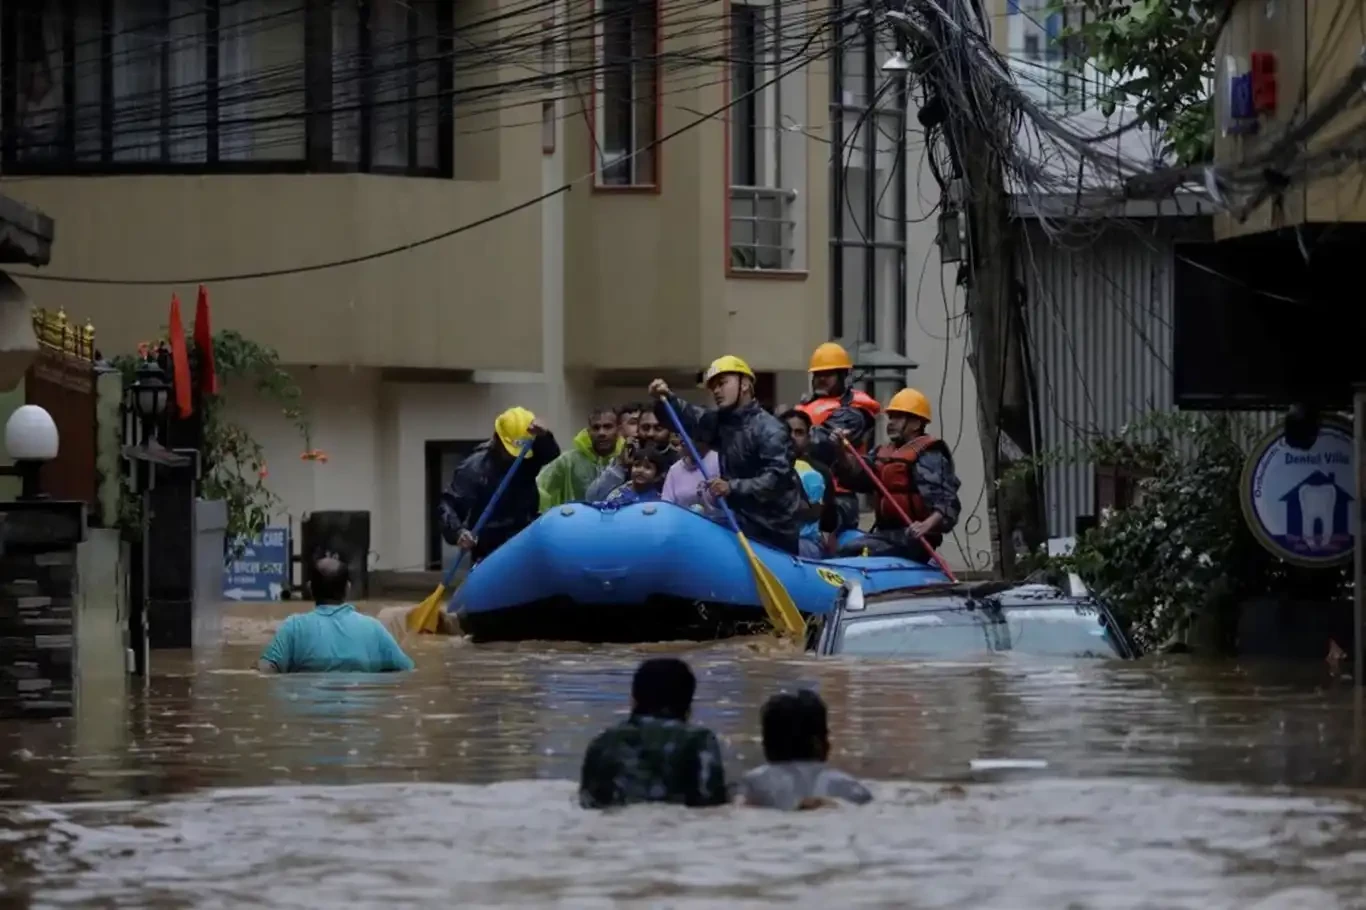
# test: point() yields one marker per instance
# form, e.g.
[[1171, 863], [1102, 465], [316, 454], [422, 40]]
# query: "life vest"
[[819, 409], [896, 469]]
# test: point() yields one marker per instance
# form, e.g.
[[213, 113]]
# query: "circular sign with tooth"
[[1301, 504]]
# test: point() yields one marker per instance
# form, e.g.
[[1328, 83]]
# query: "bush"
[[1182, 553]]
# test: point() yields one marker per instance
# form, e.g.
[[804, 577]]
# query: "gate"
[[61, 380]]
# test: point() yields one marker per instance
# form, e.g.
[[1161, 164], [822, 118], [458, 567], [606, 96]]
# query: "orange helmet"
[[829, 356], [910, 401]]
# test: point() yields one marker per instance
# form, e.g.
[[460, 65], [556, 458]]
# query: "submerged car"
[[969, 619]]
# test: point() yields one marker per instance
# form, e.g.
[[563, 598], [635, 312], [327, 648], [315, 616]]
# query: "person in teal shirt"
[[333, 637]]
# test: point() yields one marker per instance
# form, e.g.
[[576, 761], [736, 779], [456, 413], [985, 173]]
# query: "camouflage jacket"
[[652, 760]]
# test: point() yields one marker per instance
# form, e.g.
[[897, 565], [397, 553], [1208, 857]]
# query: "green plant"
[[1181, 555], [234, 462], [1159, 59]]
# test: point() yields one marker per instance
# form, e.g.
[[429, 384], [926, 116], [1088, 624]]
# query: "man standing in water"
[[796, 747], [333, 637], [655, 755]]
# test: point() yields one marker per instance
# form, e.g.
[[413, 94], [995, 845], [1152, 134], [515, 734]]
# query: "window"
[[627, 117], [745, 118], [109, 86], [766, 158], [1042, 56], [869, 187]]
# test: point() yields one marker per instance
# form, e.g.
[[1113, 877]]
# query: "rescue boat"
[[646, 572]]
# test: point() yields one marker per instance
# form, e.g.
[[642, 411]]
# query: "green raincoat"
[[566, 479]]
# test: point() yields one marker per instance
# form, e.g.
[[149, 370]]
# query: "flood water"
[[1153, 785]]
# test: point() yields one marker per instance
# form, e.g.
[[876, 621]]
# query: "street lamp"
[[31, 439], [148, 396]]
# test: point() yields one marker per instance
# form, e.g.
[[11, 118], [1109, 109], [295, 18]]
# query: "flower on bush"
[[317, 455]]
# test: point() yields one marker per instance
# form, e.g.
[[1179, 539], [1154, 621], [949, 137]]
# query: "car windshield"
[[1049, 630], [951, 632], [1058, 630]]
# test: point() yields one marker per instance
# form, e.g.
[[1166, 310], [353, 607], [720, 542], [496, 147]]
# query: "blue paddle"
[[782, 612], [423, 617]]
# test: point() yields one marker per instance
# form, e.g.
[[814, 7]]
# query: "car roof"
[[930, 598]]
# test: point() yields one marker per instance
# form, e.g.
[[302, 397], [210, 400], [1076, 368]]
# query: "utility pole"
[[977, 193]]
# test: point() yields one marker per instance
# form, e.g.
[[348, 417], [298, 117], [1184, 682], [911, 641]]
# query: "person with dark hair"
[[655, 432], [618, 470], [796, 746], [333, 636], [568, 477], [823, 514], [647, 478], [655, 755], [628, 419]]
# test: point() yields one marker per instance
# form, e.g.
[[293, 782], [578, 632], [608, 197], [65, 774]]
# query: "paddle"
[[901, 513], [782, 612], [422, 618]]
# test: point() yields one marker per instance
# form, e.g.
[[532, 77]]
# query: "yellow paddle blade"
[[422, 618], [782, 612]]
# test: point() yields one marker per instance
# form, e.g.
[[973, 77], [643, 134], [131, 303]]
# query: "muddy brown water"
[[1149, 785]]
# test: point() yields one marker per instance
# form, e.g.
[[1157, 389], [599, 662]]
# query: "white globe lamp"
[[31, 439]]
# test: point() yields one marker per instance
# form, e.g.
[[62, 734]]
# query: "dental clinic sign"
[[1301, 504]]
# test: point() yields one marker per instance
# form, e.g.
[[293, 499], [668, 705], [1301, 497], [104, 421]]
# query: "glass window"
[[355, 84], [629, 103], [1058, 631], [944, 634]]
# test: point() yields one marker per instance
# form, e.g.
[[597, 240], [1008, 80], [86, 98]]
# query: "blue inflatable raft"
[[645, 572]]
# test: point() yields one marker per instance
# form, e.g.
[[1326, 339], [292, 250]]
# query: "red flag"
[[203, 339], [180, 361]]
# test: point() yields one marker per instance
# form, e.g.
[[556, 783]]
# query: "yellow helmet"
[[511, 428], [727, 364], [829, 356], [911, 401]]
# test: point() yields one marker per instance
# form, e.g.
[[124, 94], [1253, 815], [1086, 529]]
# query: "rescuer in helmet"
[[917, 471], [753, 449], [474, 481], [832, 405]]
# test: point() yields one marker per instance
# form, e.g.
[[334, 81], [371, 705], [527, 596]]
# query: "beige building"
[[620, 225]]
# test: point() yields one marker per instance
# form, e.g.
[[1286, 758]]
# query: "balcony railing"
[[762, 228]]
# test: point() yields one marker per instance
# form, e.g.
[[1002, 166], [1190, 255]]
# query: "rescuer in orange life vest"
[[917, 470], [833, 406]]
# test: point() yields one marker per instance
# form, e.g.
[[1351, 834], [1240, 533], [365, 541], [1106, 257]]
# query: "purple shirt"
[[684, 485]]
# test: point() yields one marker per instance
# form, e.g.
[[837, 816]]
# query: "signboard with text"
[[1302, 504], [260, 571]]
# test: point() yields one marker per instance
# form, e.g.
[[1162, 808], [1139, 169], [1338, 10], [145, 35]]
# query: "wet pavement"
[[1166, 784]]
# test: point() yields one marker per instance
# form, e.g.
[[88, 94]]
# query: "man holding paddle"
[[914, 479], [754, 452], [477, 477]]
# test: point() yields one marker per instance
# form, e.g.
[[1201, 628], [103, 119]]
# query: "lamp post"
[[31, 439], [147, 398]]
